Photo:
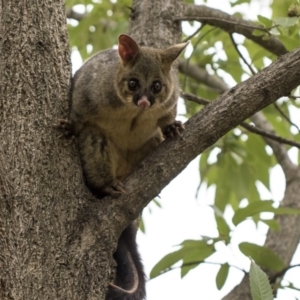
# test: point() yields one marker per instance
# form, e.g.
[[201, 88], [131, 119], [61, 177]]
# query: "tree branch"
[[269, 135], [204, 129], [202, 75], [231, 24], [71, 14], [283, 272], [247, 126], [286, 117], [240, 54], [279, 150]]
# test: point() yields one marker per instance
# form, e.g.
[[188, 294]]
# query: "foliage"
[[238, 164], [260, 286], [99, 29]]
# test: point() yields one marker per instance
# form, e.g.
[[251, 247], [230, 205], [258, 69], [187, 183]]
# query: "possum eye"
[[133, 84], [156, 86]]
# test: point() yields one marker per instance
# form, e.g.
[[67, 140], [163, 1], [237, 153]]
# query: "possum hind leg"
[[98, 162]]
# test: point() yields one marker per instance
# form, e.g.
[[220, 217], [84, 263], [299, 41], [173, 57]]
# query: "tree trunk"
[[39, 180], [55, 243]]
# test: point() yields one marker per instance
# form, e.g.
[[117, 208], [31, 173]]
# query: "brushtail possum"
[[123, 106]]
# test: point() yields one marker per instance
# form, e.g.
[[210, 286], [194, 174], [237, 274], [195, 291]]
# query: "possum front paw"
[[66, 128], [114, 189], [174, 129]]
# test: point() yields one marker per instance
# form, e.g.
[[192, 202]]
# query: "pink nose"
[[143, 102]]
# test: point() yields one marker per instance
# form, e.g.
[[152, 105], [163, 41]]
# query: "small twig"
[[269, 135], [249, 127], [198, 263], [194, 98], [286, 117], [282, 273], [130, 8], [265, 29], [71, 14], [196, 44], [241, 55], [192, 35], [293, 97], [253, 73]]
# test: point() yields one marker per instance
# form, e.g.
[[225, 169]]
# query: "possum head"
[[144, 77]]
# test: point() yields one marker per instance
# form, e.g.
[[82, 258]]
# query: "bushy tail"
[[130, 280]]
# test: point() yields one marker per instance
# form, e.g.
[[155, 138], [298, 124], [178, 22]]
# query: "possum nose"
[[143, 102]]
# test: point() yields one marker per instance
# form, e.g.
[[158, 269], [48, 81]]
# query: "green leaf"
[[273, 224], [239, 2], [279, 7], [222, 276], [265, 21], [195, 251], [223, 228], [142, 226], [258, 32], [280, 125], [261, 206], [286, 22], [165, 263], [258, 159], [290, 43], [203, 165], [222, 225], [259, 283], [192, 253], [275, 31], [286, 211], [251, 209], [262, 256]]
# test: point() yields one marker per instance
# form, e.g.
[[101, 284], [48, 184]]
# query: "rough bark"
[[153, 24], [41, 189], [35, 72]]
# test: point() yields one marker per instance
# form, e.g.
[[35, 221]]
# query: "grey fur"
[[115, 132]]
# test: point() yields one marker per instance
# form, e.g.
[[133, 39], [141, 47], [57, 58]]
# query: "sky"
[[183, 216]]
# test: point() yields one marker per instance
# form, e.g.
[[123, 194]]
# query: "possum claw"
[[115, 189], [66, 127], [174, 129]]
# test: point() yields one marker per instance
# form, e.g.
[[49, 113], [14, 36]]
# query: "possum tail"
[[130, 279]]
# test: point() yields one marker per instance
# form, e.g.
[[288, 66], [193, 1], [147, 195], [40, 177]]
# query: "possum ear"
[[169, 55], [128, 48]]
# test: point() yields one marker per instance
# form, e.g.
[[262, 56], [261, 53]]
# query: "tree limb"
[[71, 14], [286, 117], [279, 150], [241, 55], [269, 134], [247, 126], [202, 75], [231, 24]]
